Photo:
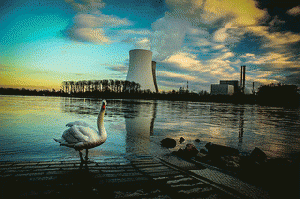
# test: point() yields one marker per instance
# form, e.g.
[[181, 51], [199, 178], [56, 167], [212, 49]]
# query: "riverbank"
[[171, 96]]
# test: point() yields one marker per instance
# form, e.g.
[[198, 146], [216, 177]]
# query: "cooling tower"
[[140, 69]]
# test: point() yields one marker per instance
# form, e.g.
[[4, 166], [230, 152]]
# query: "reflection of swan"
[[81, 135]]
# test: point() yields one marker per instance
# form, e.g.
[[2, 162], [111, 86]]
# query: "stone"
[[257, 155], [203, 151], [190, 148], [181, 140], [189, 151], [168, 143], [217, 150]]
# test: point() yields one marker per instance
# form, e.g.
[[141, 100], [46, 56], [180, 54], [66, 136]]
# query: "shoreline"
[[233, 99]]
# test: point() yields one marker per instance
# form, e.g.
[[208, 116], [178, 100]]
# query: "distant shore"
[[172, 96]]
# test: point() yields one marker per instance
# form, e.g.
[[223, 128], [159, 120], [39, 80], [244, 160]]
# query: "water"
[[28, 125]]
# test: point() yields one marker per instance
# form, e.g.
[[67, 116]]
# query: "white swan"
[[81, 135]]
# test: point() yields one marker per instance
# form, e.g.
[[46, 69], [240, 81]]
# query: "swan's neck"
[[100, 122]]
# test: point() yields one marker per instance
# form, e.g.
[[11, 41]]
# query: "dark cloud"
[[294, 78]]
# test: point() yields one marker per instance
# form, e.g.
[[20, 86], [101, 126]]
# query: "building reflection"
[[139, 127], [241, 127]]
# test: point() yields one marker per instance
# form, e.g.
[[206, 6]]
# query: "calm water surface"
[[29, 124]]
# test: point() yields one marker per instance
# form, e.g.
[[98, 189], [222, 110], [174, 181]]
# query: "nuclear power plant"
[[142, 69]]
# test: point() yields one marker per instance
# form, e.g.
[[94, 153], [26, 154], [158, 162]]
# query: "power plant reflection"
[[139, 128]]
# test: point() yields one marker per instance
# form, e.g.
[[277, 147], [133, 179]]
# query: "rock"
[[258, 156], [181, 140], [190, 150], [197, 140], [203, 151], [187, 153], [168, 143], [219, 150]]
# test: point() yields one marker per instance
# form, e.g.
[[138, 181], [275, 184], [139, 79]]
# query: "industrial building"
[[221, 89], [142, 69], [234, 83], [229, 87]]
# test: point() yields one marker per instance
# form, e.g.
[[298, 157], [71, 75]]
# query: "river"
[[28, 125]]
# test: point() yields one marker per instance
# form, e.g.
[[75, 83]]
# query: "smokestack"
[[244, 78], [241, 80]]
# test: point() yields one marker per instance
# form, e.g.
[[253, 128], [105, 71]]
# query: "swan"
[[80, 135]]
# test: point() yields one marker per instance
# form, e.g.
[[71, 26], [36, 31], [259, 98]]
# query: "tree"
[[105, 84], [112, 85], [118, 85], [72, 85]]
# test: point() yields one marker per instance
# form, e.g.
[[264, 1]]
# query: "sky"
[[46, 42]]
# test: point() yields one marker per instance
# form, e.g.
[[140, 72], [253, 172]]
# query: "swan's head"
[[103, 105]]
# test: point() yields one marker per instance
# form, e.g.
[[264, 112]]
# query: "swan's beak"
[[103, 105]]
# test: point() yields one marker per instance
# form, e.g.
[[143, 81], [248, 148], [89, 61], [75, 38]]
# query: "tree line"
[[116, 86]]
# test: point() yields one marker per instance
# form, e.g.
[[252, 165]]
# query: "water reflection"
[[241, 128], [229, 121], [81, 105], [29, 124], [139, 119], [139, 127]]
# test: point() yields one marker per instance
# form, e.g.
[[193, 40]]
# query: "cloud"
[[98, 19], [184, 61], [135, 32], [86, 5], [93, 35], [188, 66], [138, 42], [275, 39], [248, 55], [213, 11], [90, 25], [294, 11], [177, 76], [119, 68]]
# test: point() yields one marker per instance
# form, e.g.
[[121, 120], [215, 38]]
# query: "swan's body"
[[81, 135]]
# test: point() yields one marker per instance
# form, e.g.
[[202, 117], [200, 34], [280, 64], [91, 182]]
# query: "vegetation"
[[116, 86], [275, 95], [278, 94]]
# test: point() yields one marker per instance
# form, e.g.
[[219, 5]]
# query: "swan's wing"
[[78, 123], [76, 134]]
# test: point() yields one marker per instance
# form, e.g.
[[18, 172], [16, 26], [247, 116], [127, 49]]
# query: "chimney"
[[241, 81], [244, 78]]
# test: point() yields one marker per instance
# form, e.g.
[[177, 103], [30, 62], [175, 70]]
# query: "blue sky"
[[45, 42]]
